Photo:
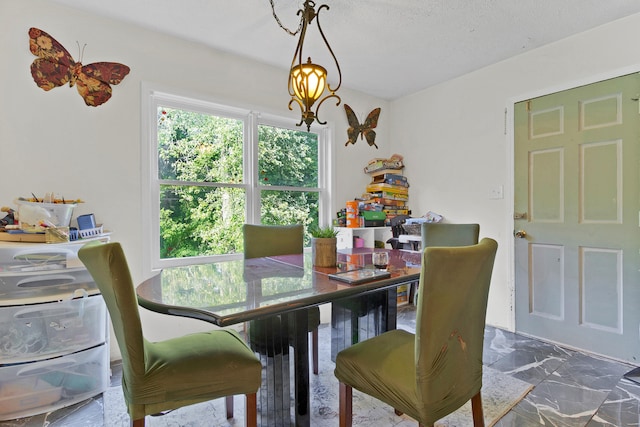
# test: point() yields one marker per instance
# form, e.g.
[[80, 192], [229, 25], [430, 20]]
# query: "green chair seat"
[[391, 356], [214, 363]]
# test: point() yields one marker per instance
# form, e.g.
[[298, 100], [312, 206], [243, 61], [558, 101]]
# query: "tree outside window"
[[206, 187]]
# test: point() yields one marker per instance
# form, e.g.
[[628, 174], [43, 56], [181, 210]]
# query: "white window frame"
[[152, 98]]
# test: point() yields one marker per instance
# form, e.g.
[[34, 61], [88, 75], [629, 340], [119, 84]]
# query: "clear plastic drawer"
[[40, 286], [39, 331], [33, 388], [38, 257]]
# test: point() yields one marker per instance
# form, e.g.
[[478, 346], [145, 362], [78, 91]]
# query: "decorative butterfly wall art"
[[55, 67], [365, 129]]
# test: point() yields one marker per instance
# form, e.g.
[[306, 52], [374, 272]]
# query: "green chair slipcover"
[[166, 375], [432, 373], [272, 240], [445, 234]]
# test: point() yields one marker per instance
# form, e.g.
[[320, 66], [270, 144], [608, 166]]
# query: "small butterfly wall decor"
[[365, 129], [56, 67]]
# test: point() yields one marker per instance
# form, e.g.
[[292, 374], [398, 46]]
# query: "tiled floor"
[[571, 388]]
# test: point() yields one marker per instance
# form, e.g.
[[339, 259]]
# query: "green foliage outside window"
[[202, 192]]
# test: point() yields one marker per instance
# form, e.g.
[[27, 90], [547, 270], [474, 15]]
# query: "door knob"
[[520, 234]]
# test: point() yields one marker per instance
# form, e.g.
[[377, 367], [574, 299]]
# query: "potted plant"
[[323, 246]]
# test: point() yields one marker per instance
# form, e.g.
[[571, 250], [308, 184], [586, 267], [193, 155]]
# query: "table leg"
[[390, 312], [342, 326], [298, 324], [356, 319], [270, 339]]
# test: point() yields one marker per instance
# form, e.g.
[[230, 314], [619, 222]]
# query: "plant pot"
[[324, 251]]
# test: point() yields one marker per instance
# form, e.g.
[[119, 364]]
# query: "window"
[[212, 168]]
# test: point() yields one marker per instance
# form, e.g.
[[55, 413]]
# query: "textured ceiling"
[[386, 48]]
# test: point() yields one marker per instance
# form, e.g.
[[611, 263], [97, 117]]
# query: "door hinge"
[[505, 120]]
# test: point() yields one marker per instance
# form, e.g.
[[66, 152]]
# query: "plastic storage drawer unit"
[[54, 341]]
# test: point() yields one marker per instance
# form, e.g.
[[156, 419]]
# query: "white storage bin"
[[35, 332], [31, 213], [34, 388], [41, 286]]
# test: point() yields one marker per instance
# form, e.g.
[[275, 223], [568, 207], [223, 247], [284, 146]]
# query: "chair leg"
[[229, 404], [314, 350], [476, 410], [251, 410], [137, 423], [345, 405]]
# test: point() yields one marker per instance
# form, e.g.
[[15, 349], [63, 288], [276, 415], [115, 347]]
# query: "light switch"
[[496, 192]]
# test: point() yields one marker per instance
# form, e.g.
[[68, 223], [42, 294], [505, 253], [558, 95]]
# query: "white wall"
[[456, 148], [51, 141]]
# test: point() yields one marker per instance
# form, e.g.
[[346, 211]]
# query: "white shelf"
[[369, 234]]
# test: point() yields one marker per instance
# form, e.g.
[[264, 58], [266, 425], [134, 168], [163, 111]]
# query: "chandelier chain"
[[293, 33]]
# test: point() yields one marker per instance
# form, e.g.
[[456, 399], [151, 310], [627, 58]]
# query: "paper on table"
[[360, 276]]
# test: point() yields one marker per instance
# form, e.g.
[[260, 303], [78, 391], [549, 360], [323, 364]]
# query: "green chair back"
[[450, 321], [272, 240], [445, 234], [107, 264]]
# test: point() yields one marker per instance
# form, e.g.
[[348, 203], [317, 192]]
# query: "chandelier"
[[308, 81]]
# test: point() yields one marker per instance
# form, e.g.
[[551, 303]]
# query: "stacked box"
[[386, 195], [389, 188]]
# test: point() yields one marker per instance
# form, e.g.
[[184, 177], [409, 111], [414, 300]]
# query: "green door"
[[577, 217]]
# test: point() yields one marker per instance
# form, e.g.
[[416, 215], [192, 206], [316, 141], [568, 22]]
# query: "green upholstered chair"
[[431, 373], [166, 375], [272, 240]]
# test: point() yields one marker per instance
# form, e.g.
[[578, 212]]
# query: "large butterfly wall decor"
[[56, 67], [365, 129]]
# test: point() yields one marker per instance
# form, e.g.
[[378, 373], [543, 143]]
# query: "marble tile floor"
[[570, 388]]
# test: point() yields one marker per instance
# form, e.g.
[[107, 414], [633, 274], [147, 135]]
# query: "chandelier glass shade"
[[308, 82]]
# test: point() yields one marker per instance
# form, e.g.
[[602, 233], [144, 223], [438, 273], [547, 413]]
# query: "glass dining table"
[[278, 287]]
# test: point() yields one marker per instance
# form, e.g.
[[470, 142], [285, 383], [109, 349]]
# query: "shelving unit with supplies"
[[346, 236]]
